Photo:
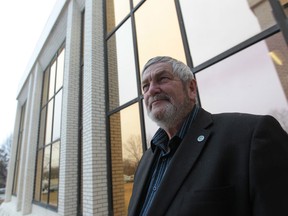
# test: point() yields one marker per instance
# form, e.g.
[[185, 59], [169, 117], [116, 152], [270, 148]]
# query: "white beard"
[[170, 115]]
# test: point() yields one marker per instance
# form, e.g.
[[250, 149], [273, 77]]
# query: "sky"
[[21, 23]]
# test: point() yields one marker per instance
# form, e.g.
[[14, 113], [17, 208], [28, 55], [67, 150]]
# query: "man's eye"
[[163, 79], [145, 88]]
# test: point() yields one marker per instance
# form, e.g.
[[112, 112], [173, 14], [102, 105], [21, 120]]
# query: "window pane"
[[49, 122], [60, 70], [126, 150], [248, 82], [54, 181], [45, 175], [212, 26], [52, 80], [42, 127], [158, 31], [45, 87], [38, 176], [122, 75], [116, 11], [57, 116]]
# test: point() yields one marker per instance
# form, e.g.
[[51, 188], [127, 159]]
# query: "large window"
[[126, 56], [235, 49], [48, 151], [18, 151]]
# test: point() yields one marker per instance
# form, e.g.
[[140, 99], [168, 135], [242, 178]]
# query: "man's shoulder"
[[240, 118], [237, 116], [229, 116], [245, 120]]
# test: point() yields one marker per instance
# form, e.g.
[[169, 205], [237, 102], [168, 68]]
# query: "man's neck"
[[173, 131]]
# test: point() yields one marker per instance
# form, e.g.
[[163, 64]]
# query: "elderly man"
[[203, 164]]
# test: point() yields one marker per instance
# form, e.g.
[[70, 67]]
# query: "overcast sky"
[[22, 23]]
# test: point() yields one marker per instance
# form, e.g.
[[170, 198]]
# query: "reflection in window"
[[45, 87], [122, 75], [38, 186], [60, 71], [45, 174], [41, 139], [212, 27], [49, 121], [116, 11], [245, 82], [52, 80], [126, 151], [57, 115], [18, 150], [158, 33], [54, 177], [47, 164]]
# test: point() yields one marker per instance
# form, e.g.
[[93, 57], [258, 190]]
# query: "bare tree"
[[4, 159], [128, 167], [134, 148]]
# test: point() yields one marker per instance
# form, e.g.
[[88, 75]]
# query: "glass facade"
[[48, 151], [126, 89], [235, 50]]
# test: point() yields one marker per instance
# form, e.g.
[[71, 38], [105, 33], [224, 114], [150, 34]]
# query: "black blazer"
[[228, 165]]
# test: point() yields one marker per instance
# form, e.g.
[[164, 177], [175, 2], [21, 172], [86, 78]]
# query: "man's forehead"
[[158, 67]]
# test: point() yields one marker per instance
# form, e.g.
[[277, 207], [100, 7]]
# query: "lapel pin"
[[200, 138]]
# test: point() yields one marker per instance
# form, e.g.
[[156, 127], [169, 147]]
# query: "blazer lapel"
[[183, 161], [139, 183]]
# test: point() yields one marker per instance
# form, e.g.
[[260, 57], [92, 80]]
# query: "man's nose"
[[154, 88]]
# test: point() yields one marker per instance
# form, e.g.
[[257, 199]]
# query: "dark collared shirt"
[[165, 149]]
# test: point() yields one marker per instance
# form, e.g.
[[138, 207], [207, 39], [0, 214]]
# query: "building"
[[81, 126]]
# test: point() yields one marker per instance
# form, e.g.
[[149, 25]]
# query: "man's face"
[[166, 98]]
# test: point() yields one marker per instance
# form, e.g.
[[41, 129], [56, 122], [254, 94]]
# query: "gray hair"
[[180, 69]]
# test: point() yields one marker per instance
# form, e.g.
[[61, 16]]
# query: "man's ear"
[[192, 89]]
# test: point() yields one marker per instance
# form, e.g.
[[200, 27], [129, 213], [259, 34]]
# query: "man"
[[203, 164]]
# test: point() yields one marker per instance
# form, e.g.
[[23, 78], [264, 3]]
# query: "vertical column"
[[68, 192], [29, 169], [24, 143], [95, 195]]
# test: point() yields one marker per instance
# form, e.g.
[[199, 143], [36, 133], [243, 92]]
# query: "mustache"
[[158, 97]]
